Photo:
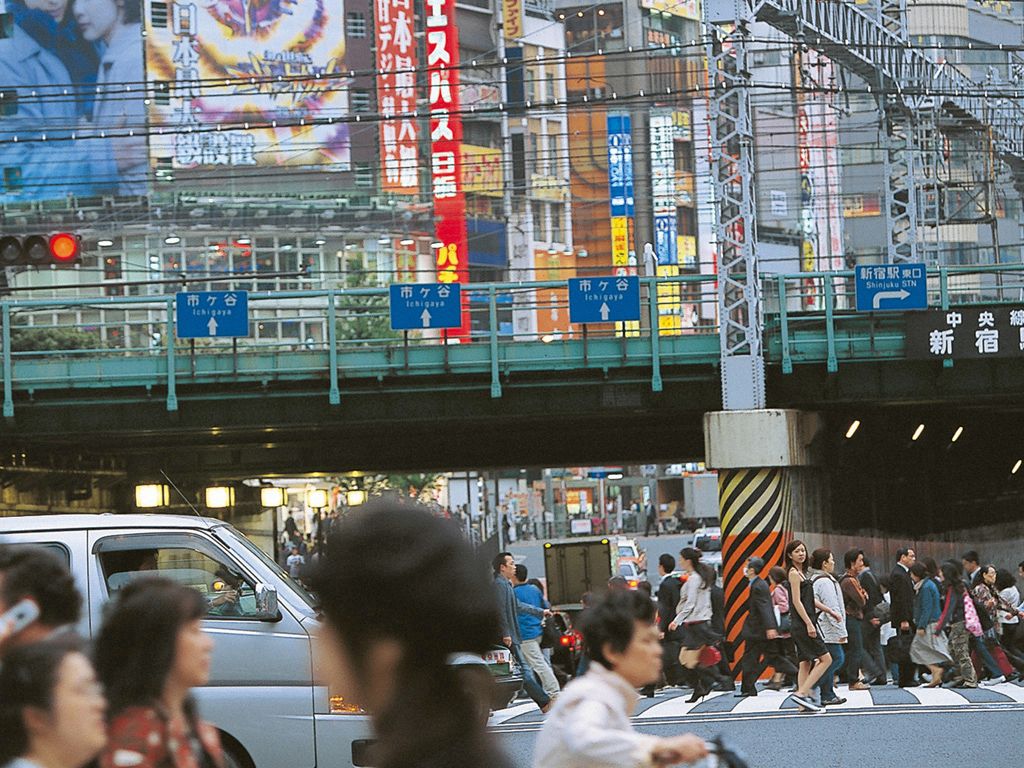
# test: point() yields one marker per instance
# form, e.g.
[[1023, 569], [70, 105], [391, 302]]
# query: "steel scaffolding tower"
[[732, 169], [910, 87]]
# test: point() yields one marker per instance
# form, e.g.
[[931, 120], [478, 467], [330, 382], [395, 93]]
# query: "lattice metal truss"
[[732, 166], [918, 101]]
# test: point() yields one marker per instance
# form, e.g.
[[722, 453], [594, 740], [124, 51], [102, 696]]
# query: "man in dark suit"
[[901, 597], [872, 625], [668, 599], [759, 629], [971, 562]]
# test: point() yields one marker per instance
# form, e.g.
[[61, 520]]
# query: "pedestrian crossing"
[[672, 702]]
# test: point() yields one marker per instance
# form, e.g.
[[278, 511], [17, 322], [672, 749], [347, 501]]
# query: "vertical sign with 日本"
[[442, 46], [396, 95], [966, 333]]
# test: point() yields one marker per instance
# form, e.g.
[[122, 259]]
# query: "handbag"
[[785, 623], [709, 656], [971, 619]]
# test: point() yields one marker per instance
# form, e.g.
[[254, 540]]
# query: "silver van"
[[263, 693]]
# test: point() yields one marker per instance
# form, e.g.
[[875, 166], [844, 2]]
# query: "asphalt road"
[[973, 734]]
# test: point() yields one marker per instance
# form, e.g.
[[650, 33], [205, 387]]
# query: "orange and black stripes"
[[755, 509]]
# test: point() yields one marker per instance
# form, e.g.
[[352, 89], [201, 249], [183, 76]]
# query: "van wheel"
[[235, 755]]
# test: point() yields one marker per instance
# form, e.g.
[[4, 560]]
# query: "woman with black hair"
[[694, 614], [815, 660], [954, 621], [51, 706], [589, 725], [389, 655], [151, 652]]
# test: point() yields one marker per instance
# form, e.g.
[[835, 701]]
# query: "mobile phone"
[[19, 616]]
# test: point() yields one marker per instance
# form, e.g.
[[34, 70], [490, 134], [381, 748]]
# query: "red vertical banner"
[[396, 95], [445, 150]]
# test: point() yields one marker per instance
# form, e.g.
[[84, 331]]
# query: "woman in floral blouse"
[[150, 653]]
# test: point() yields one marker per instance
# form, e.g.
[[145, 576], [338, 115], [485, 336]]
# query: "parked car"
[[568, 647], [628, 551], [709, 542]]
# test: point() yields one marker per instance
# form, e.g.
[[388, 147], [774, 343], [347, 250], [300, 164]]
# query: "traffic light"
[[61, 249]]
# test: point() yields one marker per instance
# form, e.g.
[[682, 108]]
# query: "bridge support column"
[[768, 488]]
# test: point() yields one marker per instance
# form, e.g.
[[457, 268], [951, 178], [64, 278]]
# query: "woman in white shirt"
[[693, 614], [589, 726], [828, 599], [1012, 636]]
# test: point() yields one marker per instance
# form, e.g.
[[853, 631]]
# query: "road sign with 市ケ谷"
[[888, 287], [422, 306], [607, 299], [211, 314]]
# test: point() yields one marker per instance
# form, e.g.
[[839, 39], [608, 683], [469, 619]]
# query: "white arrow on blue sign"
[[605, 299], [897, 287], [211, 314], [421, 306]]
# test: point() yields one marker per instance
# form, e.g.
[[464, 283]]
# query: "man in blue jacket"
[[509, 608], [531, 629]]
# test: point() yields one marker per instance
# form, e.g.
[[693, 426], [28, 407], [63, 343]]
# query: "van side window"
[[228, 593], [58, 549]]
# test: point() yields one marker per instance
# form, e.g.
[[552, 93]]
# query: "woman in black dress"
[[810, 649]]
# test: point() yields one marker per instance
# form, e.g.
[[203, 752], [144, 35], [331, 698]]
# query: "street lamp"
[[355, 497], [316, 498], [271, 496], [219, 497], [150, 496]]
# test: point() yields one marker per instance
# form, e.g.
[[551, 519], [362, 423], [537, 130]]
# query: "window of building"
[[540, 223], [364, 175], [360, 100], [557, 222], [355, 24]]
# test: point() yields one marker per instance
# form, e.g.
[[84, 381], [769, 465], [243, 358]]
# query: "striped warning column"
[[755, 507]]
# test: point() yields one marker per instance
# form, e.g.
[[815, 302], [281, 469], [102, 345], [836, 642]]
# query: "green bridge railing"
[[127, 343]]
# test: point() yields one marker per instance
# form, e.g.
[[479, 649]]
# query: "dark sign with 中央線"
[[966, 333]]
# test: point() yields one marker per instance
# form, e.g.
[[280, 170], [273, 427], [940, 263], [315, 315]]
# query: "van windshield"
[[710, 542], [276, 569]]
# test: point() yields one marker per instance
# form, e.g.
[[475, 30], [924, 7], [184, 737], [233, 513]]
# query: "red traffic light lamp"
[[64, 248], [59, 249]]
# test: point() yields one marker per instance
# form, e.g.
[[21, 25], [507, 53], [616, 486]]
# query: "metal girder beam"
[[875, 51], [900, 188], [732, 166]]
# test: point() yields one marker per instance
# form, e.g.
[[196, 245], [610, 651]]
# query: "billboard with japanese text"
[[687, 9], [446, 185], [396, 95], [247, 83], [73, 116]]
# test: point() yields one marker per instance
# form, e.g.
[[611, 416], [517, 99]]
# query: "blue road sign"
[[607, 299], [211, 314], [892, 287], [419, 306]]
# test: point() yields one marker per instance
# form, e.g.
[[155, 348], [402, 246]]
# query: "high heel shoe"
[[700, 690]]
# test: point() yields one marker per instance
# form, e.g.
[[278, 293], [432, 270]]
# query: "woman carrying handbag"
[[693, 615], [929, 647]]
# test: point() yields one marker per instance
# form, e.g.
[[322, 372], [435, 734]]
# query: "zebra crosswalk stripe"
[[675, 704]]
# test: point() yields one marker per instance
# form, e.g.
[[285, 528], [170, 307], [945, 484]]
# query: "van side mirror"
[[266, 603]]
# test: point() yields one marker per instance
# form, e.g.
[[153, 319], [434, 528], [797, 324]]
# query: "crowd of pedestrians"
[[816, 625], [127, 700]]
